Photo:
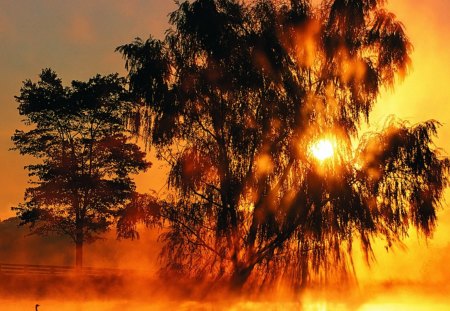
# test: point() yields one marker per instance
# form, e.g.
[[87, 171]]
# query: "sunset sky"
[[77, 39]]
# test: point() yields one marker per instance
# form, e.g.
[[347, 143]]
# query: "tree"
[[77, 134], [236, 97]]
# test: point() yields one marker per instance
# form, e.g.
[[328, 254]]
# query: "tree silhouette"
[[235, 97], [77, 134]]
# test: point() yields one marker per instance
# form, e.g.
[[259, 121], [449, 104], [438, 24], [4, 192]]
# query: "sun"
[[322, 149]]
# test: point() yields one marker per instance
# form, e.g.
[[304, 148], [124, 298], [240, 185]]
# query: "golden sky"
[[77, 39], [423, 95]]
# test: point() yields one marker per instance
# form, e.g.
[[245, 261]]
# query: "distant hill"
[[18, 246]]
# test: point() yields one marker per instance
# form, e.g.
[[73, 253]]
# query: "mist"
[[407, 279]]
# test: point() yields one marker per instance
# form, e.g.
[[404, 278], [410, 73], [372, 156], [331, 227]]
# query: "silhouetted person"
[[36, 307]]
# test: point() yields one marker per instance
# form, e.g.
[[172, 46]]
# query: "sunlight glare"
[[322, 149]]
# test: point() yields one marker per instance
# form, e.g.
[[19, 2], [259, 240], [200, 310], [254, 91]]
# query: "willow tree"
[[81, 177], [236, 99]]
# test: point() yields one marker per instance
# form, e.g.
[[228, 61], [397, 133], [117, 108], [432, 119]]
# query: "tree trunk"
[[240, 277], [79, 240], [79, 255]]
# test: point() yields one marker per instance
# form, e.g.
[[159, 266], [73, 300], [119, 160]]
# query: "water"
[[384, 302]]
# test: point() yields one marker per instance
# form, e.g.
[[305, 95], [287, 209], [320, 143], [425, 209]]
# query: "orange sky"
[[75, 38], [423, 95], [78, 38]]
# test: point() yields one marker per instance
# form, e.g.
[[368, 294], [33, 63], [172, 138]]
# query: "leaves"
[[405, 174], [78, 134], [141, 208], [234, 97]]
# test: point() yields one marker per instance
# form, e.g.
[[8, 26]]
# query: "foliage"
[[140, 208], [81, 175], [233, 99]]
